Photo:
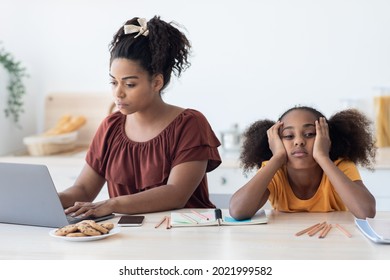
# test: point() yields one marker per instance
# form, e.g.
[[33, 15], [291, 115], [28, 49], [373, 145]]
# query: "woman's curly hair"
[[165, 50], [350, 132]]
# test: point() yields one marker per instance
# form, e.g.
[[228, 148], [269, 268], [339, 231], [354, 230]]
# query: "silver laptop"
[[28, 197]]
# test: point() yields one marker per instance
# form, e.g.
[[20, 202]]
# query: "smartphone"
[[131, 221]]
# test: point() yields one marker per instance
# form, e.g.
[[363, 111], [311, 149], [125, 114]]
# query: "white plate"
[[115, 230]]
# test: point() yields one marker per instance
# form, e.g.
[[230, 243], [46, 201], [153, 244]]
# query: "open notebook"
[[28, 197], [377, 230], [213, 217]]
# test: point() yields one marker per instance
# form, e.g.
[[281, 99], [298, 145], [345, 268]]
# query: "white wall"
[[252, 58]]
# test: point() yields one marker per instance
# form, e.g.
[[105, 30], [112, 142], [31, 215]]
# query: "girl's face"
[[298, 134], [132, 87]]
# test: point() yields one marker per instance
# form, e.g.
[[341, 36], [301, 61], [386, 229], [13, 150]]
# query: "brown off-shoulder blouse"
[[131, 167]]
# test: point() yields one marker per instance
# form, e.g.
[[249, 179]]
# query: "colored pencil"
[[316, 229], [343, 230], [306, 229], [168, 224], [160, 223], [200, 215], [325, 231]]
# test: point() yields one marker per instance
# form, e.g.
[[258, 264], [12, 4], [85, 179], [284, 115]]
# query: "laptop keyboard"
[[72, 220]]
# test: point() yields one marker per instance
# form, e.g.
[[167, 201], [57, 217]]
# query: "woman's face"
[[298, 135], [132, 87]]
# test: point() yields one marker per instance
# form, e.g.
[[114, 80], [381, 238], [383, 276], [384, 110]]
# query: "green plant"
[[15, 87]]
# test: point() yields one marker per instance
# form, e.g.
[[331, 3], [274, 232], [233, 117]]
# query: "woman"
[[154, 156]]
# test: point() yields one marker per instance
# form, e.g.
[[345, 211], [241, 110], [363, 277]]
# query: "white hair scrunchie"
[[142, 29]]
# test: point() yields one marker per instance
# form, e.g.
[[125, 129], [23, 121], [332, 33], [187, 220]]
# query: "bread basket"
[[41, 145]]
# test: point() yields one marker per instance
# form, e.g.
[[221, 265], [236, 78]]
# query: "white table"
[[273, 241]]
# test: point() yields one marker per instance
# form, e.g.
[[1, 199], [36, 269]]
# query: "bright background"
[[251, 58]]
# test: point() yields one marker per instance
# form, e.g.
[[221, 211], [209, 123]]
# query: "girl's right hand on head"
[[275, 142]]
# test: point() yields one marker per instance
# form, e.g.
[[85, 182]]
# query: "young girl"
[[307, 164], [154, 156]]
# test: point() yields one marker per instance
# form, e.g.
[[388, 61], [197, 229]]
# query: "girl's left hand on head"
[[322, 141]]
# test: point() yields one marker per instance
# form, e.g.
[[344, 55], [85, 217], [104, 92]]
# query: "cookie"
[[84, 228], [97, 226], [88, 230], [108, 226], [66, 230]]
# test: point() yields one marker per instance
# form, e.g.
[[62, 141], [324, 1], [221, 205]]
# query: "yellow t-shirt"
[[326, 199]]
